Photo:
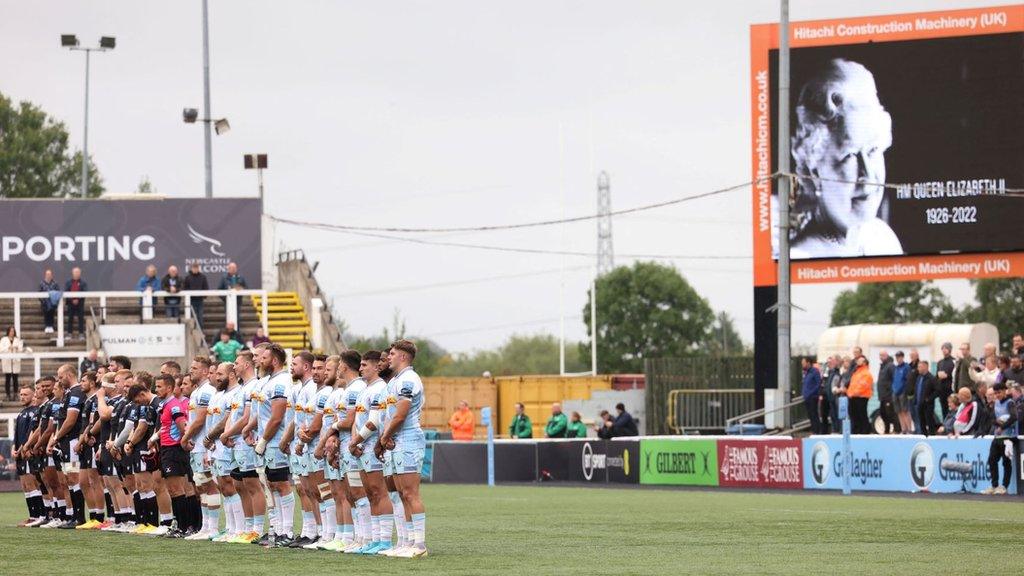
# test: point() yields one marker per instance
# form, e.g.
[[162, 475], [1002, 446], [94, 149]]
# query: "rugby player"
[[64, 441], [390, 403], [36, 462], [142, 420], [404, 437], [89, 478], [23, 426], [302, 393], [198, 406], [364, 433], [222, 458], [271, 413], [254, 505], [324, 370], [174, 461], [122, 424], [54, 476]]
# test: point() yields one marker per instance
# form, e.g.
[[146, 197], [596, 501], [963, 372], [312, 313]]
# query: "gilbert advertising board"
[[768, 463], [899, 464], [679, 461], [143, 340]]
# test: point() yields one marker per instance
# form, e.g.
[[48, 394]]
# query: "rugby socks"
[[61, 508], [386, 520], [136, 501], [239, 517], [328, 513], [179, 506], [257, 522], [166, 519], [308, 525], [77, 502], [47, 506], [419, 530], [34, 501], [109, 501], [361, 517], [396, 505], [195, 513], [147, 508], [286, 514]]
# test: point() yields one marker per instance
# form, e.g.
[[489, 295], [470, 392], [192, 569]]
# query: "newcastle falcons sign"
[[113, 241]]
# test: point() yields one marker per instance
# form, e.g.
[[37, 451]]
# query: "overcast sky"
[[440, 113]]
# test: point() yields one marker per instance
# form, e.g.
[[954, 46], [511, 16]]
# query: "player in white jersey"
[[355, 494], [391, 402], [404, 437], [324, 369], [272, 413], [364, 436], [225, 401], [234, 438], [345, 369], [198, 406], [302, 372]]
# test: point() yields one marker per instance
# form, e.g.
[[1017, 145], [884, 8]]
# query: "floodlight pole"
[[84, 190], [207, 136], [784, 182]]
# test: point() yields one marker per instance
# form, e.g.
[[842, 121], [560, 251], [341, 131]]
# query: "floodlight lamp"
[[68, 40], [107, 42], [221, 126], [190, 115]]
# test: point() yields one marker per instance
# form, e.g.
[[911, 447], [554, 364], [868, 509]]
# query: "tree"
[[646, 311], [430, 356], [893, 303], [34, 157], [520, 354], [724, 340], [145, 186], [999, 303]]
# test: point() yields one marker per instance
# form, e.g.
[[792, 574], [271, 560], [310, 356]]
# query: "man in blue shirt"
[[811, 389], [899, 393]]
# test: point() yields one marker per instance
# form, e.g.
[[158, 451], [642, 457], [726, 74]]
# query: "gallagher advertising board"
[[760, 463], [113, 241], [679, 461], [912, 464], [928, 102]]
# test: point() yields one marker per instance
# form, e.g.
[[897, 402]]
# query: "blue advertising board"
[[900, 464]]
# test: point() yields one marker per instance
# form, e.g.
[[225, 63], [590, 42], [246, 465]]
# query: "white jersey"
[[319, 405], [201, 398], [334, 407], [352, 392], [408, 386], [370, 405]]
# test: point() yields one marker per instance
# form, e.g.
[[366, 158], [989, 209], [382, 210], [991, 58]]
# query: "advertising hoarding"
[[143, 340], [623, 461], [760, 463], [679, 461], [113, 241], [928, 102]]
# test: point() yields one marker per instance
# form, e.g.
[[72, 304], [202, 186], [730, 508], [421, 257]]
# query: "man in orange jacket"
[[859, 392], [462, 422]]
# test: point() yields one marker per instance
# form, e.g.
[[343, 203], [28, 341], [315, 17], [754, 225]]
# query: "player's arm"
[[212, 435], [395, 422], [278, 407], [193, 428], [239, 426], [317, 424], [106, 411], [66, 426], [286, 439], [372, 425], [141, 429], [51, 427]]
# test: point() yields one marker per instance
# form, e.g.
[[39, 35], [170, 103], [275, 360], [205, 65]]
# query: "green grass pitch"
[[542, 530]]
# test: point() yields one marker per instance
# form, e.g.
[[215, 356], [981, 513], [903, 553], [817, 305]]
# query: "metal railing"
[[146, 303], [37, 357], [762, 412], [705, 410]]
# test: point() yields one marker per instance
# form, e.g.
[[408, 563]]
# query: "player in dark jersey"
[[142, 422], [23, 426], [55, 458], [64, 441], [111, 411], [92, 485]]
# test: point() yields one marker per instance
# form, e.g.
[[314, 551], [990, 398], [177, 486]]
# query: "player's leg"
[[408, 461]]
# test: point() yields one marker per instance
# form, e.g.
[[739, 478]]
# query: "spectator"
[[829, 390], [967, 415], [847, 369], [50, 303], [12, 344], [986, 375], [963, 369], [76, 306], [91, 363], [196, 280], [462, 422], [926, 390], [604, 426], [886, 376], [990, 350], [810, 388], [232, 333], [1017, 344], [909, 387], [148, 282], [226, 349], [946, 367], [1015, 373], [259, 338], [859, 392], [557, 424], [521, 426], [899, 393], [172, 283], [577, 429], [231, 281], [953, 403], [624, 424], [1004, 410], [1003, 365]]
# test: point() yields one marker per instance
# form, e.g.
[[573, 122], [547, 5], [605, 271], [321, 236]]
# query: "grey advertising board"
[[113, 241]]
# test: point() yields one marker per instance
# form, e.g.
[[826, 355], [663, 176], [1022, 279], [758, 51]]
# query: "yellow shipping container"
[[537, 393], [442, 396]]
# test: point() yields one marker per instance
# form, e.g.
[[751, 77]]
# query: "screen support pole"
[[784, 182]]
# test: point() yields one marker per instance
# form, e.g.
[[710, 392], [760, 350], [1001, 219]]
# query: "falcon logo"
[[198, 238], [820, 463], [922, 465]]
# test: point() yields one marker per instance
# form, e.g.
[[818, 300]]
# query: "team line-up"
[[168, 455]]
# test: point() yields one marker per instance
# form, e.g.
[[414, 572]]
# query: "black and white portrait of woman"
[[840, 136]]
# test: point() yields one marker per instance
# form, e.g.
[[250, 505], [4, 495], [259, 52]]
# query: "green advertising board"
[[679, 461]]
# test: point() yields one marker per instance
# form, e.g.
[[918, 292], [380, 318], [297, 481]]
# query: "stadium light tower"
[[70, 41]]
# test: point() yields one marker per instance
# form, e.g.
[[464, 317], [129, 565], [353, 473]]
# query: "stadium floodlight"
[[221, 126], [70, 41], [190, 115], [257, 162]]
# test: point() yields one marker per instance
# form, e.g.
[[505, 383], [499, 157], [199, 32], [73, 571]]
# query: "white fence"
[[146, 302]]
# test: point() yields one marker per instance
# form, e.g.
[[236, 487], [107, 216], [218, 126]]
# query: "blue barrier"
[[899, 464]]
